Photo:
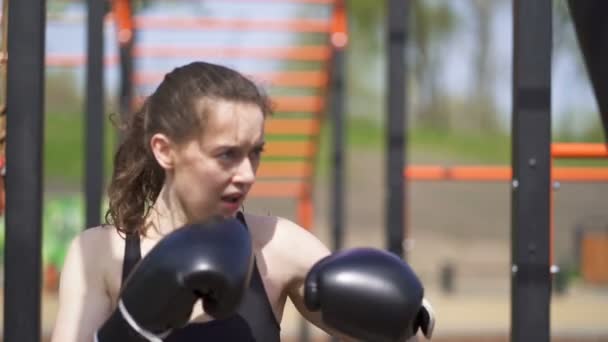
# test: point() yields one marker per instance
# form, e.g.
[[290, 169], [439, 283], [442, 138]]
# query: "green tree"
[[430, 24], [482, 109]]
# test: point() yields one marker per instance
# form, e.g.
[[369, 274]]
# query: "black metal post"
[[337, 114], [24, 170], [94, 122], [395, 126], [339, 40], [591, 26], [126, 78], [531, 162]]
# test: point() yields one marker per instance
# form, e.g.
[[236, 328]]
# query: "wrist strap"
[[143, 332], [121, 326]]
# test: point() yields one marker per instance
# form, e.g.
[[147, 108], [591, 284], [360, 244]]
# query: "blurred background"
[[459, 81]]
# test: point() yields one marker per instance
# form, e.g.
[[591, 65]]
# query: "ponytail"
[[136, 180]]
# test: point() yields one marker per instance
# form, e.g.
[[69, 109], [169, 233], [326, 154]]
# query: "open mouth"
[[232, 198]]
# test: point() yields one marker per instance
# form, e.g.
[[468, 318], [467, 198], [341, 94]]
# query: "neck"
[[166, 214]]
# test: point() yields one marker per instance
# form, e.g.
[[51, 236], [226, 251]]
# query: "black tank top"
[[254, 321]]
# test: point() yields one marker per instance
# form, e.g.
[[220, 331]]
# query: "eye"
[[257, 152], [228, 154]]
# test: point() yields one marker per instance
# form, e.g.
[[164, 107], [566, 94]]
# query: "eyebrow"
[[227, 146]]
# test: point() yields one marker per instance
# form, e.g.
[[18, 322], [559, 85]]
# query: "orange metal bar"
[[284, 78], [551, 210], [285, 1], [304, 149], [425, 172], [339, 26], [305, 210], [68, 61], [458, 173], [500, 173], [298, 103], [285, 104], [481, 173], [580, 174], [193, 23], [292, 126], [293, 169], [579, 150], [281, 1], [301, 53], [124, 20], [313, 53], [315, 79], [286, 189]]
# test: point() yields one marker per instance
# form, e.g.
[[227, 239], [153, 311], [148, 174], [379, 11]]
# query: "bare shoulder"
[[84, 300], [92, 237], [90, 250], [95, 241], [294, 245]]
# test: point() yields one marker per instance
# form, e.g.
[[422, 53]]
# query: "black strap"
[[133, 250], [241, 217], [132, 255]]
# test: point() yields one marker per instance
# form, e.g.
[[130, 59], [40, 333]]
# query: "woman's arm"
[[381, 266], [303, 250], [84, 303]]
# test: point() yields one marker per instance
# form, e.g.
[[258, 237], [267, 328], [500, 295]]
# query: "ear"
[[162, 148]]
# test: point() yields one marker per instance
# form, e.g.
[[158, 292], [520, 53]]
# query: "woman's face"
[[213, 174]]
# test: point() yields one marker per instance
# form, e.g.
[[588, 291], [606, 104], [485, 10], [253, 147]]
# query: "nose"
[[245, 172]]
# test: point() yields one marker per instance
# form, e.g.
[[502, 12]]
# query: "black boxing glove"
[[211, 261], [367, 294]]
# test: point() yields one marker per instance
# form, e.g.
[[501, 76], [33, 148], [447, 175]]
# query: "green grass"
[[64, 146], [366, 134], [479, 147], [452, 146]]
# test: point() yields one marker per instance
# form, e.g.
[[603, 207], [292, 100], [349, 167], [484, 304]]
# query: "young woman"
[[190, 153]]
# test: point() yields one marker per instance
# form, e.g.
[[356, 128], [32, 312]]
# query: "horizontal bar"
[[292, 126], [499, 173], [311, 53], [580, 174], [304, 149], [298, 103], [282, 104], [277, 189], [315, 79], [301, 53], [320, 2], [68, 61], [208, 23], [579, 150], [291, 169], [274, 1], [461, 173], [193, 23]]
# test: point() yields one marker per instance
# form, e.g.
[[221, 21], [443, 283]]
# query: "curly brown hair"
[[137, 178]]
